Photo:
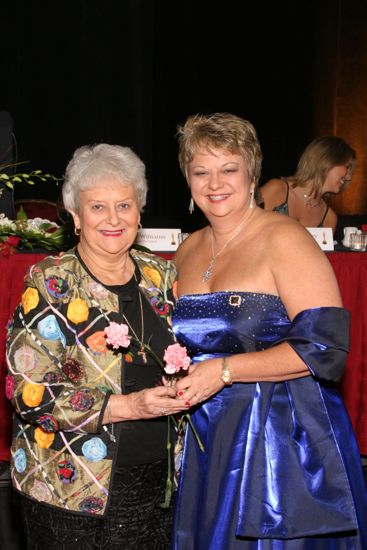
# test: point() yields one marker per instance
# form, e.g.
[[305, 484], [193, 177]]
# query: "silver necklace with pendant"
[[309, 201], [209, 270]]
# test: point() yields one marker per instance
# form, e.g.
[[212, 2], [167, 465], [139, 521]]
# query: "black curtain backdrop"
[[129, 71]]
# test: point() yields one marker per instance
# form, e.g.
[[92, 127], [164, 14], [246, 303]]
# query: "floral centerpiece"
[[22, 233]]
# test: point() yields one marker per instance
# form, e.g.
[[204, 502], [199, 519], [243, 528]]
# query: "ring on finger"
[[163, 411]]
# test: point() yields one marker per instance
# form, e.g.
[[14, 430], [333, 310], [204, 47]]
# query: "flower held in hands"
[[117, 335], [176, 359]]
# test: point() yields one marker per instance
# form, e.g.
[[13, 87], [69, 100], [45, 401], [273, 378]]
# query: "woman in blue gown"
[[260, 313]]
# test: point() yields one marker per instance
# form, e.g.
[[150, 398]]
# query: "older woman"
[[325, 167], [260, 313], [89, 455]]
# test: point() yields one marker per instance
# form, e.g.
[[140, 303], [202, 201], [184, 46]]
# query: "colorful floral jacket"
[[60, 374]]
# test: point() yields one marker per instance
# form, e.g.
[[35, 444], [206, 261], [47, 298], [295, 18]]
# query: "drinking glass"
[[358, 241]]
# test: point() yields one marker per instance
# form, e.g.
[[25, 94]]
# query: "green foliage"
[[29, 178]]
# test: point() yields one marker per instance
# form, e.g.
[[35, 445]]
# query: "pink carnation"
[[9, 386], [176, 359], [117, 335]]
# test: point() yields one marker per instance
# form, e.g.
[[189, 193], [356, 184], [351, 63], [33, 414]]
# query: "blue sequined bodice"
[[229, 322]]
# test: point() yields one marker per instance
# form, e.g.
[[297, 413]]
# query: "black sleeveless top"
[[283, 208]]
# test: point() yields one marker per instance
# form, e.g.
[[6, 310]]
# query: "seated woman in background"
[[326, 166]]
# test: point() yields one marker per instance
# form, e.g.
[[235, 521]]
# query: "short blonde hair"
[[223, 131], [90, 163]]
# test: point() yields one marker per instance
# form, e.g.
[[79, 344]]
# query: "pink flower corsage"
[[176, 359], [117, 335]]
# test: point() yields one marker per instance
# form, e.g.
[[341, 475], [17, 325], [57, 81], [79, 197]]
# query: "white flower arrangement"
[[23, 233]]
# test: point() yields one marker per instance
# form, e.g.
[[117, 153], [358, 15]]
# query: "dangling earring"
[[191, 205], [252, 193], [77, 231]]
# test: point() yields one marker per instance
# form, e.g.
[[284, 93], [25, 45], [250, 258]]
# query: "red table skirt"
[[351, 271]]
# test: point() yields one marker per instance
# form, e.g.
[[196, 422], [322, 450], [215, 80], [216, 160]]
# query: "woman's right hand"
[[203, 381], [147, 403]]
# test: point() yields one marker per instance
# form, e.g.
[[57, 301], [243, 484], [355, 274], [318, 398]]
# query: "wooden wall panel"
[[341, 88]]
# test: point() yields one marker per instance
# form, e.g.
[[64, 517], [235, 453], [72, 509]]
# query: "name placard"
[[159, 240], [323, 236]]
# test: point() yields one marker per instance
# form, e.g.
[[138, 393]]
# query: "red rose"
[[13, 241]]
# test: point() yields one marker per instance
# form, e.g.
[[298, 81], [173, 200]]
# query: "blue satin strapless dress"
[[281, 468]]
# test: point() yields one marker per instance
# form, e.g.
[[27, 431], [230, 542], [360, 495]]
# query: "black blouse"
[[140, 441]]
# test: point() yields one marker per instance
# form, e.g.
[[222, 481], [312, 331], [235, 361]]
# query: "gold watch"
[[226, 375]]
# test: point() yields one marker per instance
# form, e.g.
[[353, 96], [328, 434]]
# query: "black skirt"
[[134, 520]]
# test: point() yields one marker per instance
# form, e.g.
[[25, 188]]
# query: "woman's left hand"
[[202, 382]]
